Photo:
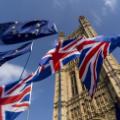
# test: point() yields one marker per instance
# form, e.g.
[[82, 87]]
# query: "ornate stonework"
[[75, 102]]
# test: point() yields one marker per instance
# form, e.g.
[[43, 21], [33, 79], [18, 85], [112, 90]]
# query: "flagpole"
[[59, 100], [59, 91], [28, 111]]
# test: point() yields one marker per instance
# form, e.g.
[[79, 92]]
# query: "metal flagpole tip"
[[55, 27]]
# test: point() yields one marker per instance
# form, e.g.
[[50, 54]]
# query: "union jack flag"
[[41, 73], [15, 98], [59, 56], [91, 60], [92, 53]]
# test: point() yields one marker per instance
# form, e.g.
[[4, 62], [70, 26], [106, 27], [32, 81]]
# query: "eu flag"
[[10, 54], [17, 32]]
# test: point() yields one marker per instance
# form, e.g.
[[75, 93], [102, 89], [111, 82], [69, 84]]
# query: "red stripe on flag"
[[21, 105], [19, 84], [105, 51], [15, 98], [87, 58], [84, 43]]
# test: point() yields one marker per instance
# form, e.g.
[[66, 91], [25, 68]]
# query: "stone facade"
[[75, 103]]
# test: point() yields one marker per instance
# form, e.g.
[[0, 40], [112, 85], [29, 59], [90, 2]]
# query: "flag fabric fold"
[[17, 32], [53, 61], [15, 98], [58, 57], [92, 53], [42, 73], [113, 40], [11, 54]]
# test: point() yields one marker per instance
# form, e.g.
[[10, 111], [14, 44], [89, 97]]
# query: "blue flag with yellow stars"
[[11, 54], [17, 32]]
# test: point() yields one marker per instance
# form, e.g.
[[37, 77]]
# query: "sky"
[[103, 15]]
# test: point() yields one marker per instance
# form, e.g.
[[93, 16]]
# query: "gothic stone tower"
[[75, 102]]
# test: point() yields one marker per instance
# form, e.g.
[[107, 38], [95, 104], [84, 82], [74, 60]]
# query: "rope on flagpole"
[[26, 63]]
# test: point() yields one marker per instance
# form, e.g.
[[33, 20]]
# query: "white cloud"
[[62, 3], [59, 3], [10, 72], [111, 4], [97, 18]]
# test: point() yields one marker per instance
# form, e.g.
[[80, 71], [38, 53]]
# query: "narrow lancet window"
[[74, 83]]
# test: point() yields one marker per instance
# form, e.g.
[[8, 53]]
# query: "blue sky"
[[103, 15]]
